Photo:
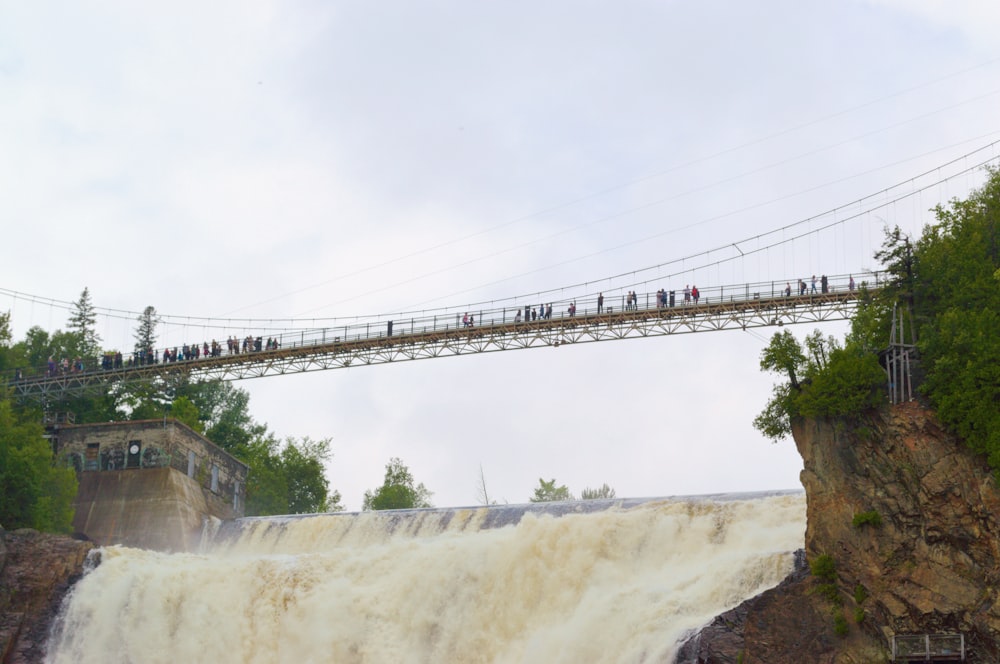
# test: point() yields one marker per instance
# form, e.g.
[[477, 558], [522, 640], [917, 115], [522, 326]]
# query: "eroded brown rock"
[[37, 570], [931, 566]]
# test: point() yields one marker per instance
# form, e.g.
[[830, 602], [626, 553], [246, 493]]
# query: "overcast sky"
[[268, 160]]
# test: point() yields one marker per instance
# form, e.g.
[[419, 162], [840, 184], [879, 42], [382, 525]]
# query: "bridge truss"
[[419, 340]]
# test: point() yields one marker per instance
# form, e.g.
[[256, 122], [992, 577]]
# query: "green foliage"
[[859, 615], [604, 491], [34, 492], [784, 355], [289, 478], [398, 490], [823, 568], [184, 411], [956, 308], [824, 380], [548, 491], [840, 626], [829, 592], [6, 352], [226, 410], [868, 518], [860, 594]]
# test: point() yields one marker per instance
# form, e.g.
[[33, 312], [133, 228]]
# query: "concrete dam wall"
[[149, 508]]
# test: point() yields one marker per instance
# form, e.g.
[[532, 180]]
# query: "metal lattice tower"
[[900, 355]]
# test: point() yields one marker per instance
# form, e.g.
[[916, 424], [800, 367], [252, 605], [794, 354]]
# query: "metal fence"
[[928, 648]]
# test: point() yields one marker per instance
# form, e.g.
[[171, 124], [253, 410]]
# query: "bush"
[[869, 518], [859, 615], [823, 567], [860, 594], [840, 627]]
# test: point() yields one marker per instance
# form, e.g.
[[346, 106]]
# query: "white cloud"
[[266, 159]]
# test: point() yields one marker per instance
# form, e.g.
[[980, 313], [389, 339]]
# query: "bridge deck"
[[441, 336]]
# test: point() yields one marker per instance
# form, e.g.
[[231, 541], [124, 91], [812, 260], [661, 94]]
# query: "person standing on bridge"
[[600, 302], [517, 316], [695, 294], [850, 284], [788, 289], [813, 285], [687, 293]]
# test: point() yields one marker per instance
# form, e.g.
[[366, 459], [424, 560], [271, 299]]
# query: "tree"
[[824, 379], [7, 356], [35, 492], [482, 495], [308, 488], [398, 490], [604, 491], [145, 335], [82, 322], [289, 478], [227, 414], [957, 314], [548, 492], [784, 355], [183, 410]]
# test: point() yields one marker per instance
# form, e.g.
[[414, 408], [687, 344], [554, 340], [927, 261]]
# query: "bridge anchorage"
[[443, 334]]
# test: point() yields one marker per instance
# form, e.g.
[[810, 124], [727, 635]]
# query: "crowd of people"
[[112, 360]]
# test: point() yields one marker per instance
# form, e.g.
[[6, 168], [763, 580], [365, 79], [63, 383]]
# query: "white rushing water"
[[618, 585]]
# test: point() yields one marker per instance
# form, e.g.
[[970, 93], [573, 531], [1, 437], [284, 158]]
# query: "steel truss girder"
[[732, 315]]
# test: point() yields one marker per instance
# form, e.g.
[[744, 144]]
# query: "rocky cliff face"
[[36, 570], [911, 520]]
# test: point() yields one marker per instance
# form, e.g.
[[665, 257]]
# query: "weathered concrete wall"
[[98, 448], [150, 508]]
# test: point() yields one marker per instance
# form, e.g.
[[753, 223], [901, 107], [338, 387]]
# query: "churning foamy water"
[[558, 583]]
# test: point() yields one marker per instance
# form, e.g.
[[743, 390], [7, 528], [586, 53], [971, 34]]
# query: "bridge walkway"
[[427, 337]]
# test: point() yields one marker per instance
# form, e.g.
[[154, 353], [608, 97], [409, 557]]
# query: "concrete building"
[[148, 483]]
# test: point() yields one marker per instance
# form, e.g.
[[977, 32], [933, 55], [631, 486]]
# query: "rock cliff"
[[36, 570], [911, 521]]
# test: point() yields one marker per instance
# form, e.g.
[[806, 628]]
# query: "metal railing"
[[928, 648]]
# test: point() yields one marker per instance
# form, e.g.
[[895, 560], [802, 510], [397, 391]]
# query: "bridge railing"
[[928, 648], [450, 319]]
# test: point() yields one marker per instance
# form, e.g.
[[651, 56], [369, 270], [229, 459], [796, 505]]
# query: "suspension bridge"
[[522, 322], [444, 333]]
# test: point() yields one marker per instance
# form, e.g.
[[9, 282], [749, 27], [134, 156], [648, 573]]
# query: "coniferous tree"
[[82, 323], [145, 335], [547, 492]]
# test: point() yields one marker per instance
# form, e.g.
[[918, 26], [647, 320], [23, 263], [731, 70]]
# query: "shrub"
[[840, 627], [860, 594], [869, 518], [823, 567]]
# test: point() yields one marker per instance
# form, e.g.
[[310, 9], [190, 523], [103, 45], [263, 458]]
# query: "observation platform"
[[928, 648]]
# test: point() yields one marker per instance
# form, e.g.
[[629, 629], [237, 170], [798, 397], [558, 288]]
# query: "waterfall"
[[588, 581]]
